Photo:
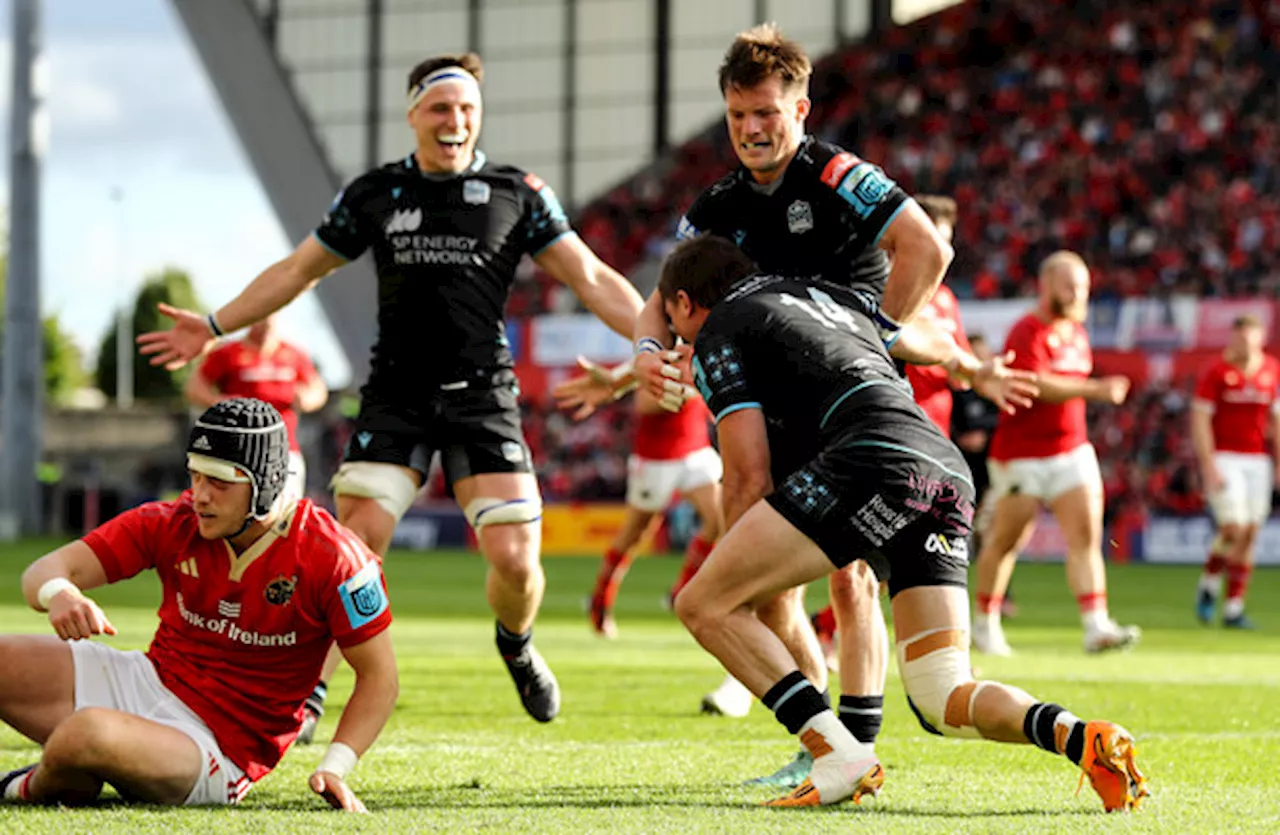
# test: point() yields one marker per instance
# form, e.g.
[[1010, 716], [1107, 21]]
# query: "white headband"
[[215, 468], [443, 75]]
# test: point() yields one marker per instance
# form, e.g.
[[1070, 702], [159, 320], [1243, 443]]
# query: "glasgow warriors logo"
[[280, 590]]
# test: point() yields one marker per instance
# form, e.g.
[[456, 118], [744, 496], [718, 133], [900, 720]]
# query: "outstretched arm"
[[274, 287], [604, 290]]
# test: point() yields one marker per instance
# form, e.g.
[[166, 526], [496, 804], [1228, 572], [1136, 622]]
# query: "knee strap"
[[481, 512], [388, 485], [939, 681]]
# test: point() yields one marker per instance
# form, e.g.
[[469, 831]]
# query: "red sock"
[[989, 604], [1091, 602], [1238, 581], [1215, 565], [694, 556], [824, 622], [612, 569]]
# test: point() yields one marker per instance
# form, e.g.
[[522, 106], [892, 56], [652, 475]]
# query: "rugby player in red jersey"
[[256, 588], [671, 455], [1041, 456], [265, 367], [1235, 401]]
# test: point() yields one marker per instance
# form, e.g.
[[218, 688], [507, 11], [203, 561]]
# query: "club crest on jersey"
[[799, 217], [362, 596], [404, 220], [280, 590], [476, 192]]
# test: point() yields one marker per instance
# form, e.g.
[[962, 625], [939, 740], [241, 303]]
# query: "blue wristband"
[[888, 329], [212, 321], [648, 345]]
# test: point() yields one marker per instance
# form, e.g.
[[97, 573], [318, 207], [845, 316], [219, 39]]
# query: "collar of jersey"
[[411, 162], [772, 188]]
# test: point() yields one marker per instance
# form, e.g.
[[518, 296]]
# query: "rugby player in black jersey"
[[828, 459], [808, 209], [447, 228]]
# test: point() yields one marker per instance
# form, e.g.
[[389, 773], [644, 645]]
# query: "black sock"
[[826, 697], [1039, 728], [794, 701], [510, 645], [315, 702], [862, 715]]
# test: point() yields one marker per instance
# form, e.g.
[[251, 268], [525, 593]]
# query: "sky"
[[133, 116]]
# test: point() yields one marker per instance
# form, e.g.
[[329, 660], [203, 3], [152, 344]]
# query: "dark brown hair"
[[762, 52], [469, 61], [939, 208], [705, 267]]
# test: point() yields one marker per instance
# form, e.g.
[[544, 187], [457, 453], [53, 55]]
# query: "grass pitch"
[[631, 754]]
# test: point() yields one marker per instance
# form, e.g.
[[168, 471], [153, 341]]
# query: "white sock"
[[844, 745], [839, 760], [13, 791], [1233, 608], [1211, 583], [987, 620], [1096, 620]]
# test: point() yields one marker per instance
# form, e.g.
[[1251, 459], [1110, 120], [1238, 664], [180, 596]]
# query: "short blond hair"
[[760, 53], [1061, 258]]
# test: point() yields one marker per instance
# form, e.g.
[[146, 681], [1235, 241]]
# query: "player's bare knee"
[[85, 739], [697, 606], [938, 678], [516, 563]]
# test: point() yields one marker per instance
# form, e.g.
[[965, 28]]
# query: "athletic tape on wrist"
[[338, 759], [648, 345], [53, 588], [888, 328], [212, 321]]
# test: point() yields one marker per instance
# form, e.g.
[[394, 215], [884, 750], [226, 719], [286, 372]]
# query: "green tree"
[[170, 285], [63, 361], [64, 372]]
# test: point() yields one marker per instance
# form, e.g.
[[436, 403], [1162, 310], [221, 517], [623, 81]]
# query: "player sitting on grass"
[[827, 458], [255, 591]]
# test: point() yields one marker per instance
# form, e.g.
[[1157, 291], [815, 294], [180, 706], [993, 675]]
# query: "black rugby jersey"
[[446, 249], [823, 220], [805, 354]]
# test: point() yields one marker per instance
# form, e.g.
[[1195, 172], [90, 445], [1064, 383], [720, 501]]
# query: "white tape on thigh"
[[939, 681], [388, 485], [483, 512]]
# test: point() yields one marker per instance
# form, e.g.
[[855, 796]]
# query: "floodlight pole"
[[22, 394]]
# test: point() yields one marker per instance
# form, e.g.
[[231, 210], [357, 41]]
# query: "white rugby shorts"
[[652, 484], [1045, 478], [1245, 497], [127, 681]]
